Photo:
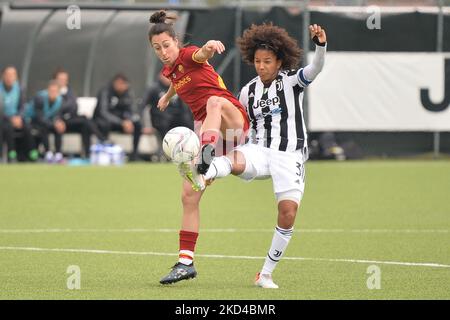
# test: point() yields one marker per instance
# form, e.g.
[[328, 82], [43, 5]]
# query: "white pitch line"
[[414, 264], [231, 230]]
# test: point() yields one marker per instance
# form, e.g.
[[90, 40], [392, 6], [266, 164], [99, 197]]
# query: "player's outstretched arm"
[[165, 99], [207, 51], [319, 37]]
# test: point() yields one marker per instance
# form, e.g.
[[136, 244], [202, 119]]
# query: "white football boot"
[[189, 172], [265, 281]]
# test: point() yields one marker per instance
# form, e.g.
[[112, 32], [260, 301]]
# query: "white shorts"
[[287, 170]]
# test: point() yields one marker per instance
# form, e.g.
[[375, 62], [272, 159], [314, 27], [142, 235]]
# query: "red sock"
[[210, 137], [188, 240]]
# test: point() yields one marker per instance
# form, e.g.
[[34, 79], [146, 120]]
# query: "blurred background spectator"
[[115, 111], [69, 113], [13, 126], [45, 114], [176, 114]]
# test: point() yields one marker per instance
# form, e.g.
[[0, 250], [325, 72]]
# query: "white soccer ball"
[[181, 144]]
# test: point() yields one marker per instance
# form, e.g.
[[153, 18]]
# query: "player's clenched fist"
[[317, 31]]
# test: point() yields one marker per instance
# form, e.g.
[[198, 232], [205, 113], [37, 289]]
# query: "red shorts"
[[199, 121]]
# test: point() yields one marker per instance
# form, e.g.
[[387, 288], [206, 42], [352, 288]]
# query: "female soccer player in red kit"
[[197, 84]]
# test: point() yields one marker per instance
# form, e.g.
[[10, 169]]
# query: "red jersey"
[[194, 82]]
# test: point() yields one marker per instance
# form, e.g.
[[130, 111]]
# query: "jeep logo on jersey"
[[425, 96], [267, 103]]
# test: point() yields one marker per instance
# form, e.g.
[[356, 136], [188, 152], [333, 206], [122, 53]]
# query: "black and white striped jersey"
[[275, 111]]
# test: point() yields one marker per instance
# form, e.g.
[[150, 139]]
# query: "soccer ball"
[[181, 144]]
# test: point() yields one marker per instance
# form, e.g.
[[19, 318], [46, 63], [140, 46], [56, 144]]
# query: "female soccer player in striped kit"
[[197, 84], [278, 139]]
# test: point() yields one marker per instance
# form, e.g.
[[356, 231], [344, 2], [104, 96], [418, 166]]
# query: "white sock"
[[186, 257], [280, 241], [220, 167]]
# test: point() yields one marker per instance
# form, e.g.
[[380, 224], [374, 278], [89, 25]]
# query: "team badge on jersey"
[[279, 85], [180, 68]]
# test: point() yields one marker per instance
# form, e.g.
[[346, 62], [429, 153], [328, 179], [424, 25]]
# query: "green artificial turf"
[[381, 211]]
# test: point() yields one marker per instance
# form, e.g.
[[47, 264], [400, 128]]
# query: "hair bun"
[[158, 17]]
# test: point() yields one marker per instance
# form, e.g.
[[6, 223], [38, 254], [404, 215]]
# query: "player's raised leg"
[[184, 269], [221, 115]]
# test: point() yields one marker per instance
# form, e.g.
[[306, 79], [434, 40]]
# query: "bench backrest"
[[86, 106]]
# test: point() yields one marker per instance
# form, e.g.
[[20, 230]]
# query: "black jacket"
[[69, 107], [113, 107], [176, 107]]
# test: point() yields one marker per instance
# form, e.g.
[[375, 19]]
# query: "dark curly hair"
[[161, 24], [270, 37]]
